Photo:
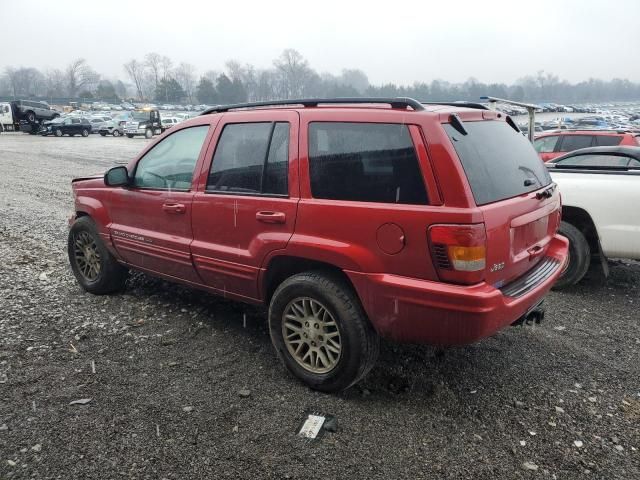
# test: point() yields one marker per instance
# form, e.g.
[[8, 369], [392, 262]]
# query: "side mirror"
[[116, 177]]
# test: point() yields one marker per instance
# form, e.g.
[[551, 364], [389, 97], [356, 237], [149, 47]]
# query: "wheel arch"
[[281, 267], [94, 209], [582, 220]]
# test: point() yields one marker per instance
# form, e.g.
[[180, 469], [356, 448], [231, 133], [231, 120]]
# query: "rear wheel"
[[95, 269], [320, 331], [103, 134], [579, 256], [85, 132], [58, 133], [31, 117], [130, 135]]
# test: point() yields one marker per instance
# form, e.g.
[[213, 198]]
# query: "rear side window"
[[499, 162], [608, 140], [365, 162], [575, 142], [546, 144], [251, 158]]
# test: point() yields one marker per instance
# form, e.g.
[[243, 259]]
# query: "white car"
[[168, 122], [600, 189]]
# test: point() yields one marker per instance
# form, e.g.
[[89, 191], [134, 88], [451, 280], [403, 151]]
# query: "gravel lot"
[[560, 400]]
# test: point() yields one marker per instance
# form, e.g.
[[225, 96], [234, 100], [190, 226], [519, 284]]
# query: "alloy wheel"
[[311, 335], [87, 256]]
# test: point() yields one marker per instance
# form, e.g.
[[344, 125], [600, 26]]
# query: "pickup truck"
[[599, 188]]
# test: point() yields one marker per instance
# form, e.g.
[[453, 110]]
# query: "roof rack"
[[398, 102], [461, 103], [586, 129]]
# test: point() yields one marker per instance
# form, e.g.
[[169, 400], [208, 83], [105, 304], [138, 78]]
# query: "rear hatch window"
[[499, 162]]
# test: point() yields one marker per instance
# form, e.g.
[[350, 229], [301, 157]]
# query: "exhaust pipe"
[[535, 316]]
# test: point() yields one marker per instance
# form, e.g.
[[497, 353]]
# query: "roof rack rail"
[[397, 102], [587, 129], [461, 103]]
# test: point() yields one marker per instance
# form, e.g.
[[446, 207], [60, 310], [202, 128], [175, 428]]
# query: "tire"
[[130, 135], [106, 275], [103, 134], [72, 134], [31, 117], [148, 133], [55, 115], [85, 132], [58, 133], [116, 133], [358, 342], [579, 256]]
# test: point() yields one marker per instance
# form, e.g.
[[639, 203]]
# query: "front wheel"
[[116, 133], [130, 135], [85, 132], [103, 134], [321, 332], [95, 269], [31, 117], [579, 256], [58, 133], [148, 133]]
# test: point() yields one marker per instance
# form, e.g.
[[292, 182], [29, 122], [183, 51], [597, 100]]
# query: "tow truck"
[[144, 122]]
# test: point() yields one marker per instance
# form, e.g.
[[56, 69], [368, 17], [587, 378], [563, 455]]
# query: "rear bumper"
[[422, 311]]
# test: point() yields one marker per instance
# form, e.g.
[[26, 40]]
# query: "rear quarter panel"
[[610, 200]]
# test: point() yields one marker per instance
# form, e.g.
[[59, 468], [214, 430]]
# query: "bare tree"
[[294, 71], [14, 79], [186, 77], [25, 81], [136, 72], [54, 81], [246, 75], [79, 76], [355, 78], [153, 61], [166, 65], [212, 75]]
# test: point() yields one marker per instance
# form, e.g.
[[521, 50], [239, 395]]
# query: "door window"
[[575, 142], [608, 140], [251, 158], [169, 164], [364, 162], [546, 144]]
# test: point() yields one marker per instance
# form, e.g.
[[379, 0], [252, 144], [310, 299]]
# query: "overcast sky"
[[392, 41]]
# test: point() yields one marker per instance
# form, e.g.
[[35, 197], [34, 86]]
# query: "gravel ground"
[[163, 367]]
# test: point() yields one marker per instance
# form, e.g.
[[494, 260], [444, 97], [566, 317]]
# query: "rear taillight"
[[459, 252]]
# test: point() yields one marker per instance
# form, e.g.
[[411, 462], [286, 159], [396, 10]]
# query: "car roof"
[[633, 152]]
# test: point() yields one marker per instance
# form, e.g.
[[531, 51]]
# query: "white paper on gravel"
[[311, 426]]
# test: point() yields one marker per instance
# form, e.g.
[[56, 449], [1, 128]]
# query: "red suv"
[[555, 143], [349, 218]]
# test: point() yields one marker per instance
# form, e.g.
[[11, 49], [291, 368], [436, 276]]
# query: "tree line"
[[157, 78]]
